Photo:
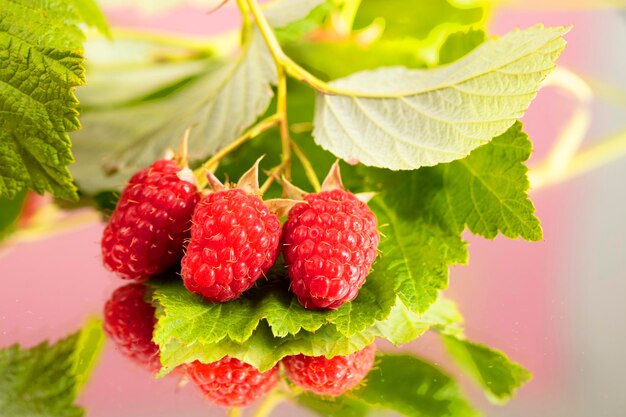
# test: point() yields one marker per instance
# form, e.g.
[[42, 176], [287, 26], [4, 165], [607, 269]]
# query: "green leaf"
[[412, 388], [220, 102], [487, 191], [91, 14], [446, 112], [492, 369], [87, 352], [43, 381], [189, 318], [458, 44], [263, 349], [415, 256], [42, 61], [10, 210]]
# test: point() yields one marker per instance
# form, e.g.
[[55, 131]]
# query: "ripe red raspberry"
[[234, 241], [129, 323], [147, 230], [230, 382], [330, 376], [329, 244]]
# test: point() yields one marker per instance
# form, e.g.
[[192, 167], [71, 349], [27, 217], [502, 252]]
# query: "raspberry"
[[329, 244], [147, 230], [230, 382], [330, 376], [129, 323], [234, 241]]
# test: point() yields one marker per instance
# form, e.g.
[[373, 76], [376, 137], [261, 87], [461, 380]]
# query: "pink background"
[[556, 306]]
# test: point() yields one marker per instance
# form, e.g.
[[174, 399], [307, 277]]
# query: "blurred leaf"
[[220, 103], [10, 209], [41, 381], [416, 18], [492, 369], [347, 56], [87, 352], [459, 44], [93, 16], [446, 112], [412, 388]]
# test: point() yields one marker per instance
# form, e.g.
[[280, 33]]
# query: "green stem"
[[251, 133], [308, 167], [282, 60], [269, 404], [281, 111]]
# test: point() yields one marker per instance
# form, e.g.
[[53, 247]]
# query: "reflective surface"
[[555, 306]]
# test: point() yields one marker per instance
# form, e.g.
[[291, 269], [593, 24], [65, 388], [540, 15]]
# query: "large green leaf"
[[263, 349], [492, 369], [43, 381], [42, 63], [425, 117], [189, 318], [487, 191]]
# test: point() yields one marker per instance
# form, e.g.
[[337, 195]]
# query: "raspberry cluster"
[[223, 242]]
